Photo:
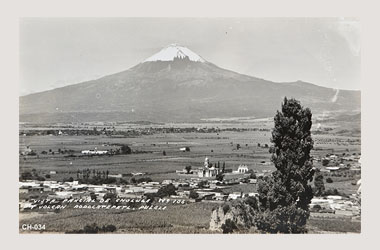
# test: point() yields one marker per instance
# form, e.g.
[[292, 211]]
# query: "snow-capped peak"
[[174, 51]]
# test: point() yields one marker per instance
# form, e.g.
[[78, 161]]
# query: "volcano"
[[177, 85]]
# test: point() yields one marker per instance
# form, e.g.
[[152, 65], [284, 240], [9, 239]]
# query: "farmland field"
[[156, 154]]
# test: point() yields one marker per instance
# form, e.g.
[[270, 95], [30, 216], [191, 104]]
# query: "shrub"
[[202, 184], [252, 175], [26, 176], [226, 208], [317, 207], [332, 192], [229, 226], [70, 179], [329, 180], [166, 191], [219, 177], [125, 149], [40, 178], [188, 169], [325, 162], [193, 194], [252, 201]]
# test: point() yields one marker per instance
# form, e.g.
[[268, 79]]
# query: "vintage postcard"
[[189, 125]]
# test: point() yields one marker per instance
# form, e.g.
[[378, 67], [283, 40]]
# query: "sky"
[[55, 52]]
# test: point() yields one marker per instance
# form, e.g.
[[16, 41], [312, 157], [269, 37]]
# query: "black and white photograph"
[[189, 125]]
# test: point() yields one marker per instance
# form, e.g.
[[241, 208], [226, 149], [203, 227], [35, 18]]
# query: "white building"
[[94, 152], [208, 171], [241, 169]]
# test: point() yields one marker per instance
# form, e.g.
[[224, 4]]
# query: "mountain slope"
[[176, 85]]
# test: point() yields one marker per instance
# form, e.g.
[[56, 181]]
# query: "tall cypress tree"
[[285, 196]]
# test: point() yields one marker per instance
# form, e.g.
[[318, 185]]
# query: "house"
[[94, 152], [220, 197], [253, 194], [25, 150], [184, 149], [241, 169], [234, 196], [252, 181], [332, 168], [115, 175], [23, 191], [167, 182], [137, 174]]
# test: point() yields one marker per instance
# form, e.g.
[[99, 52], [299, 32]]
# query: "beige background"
[[367, 11]]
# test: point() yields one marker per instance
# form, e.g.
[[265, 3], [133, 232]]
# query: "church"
[[208, 170]]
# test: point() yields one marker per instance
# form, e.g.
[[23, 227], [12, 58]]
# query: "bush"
[[202, 184], [188, 169], [252, 175], [316, 208], [325, 162], [26, 176], [226, 208], [125, 149], [252, 202], [47, 176], [40, 178], [140, 180], [229, 226], [71, 179], [329, 180], [193, 194], [219, 177], [166, 191], [332, 192]]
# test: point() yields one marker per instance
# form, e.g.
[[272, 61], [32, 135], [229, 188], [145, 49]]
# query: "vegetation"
[[252, 174], [140, 180], [226, 208], [125, 149], [229, 226], [319, 184], [325, 162], [189, 218], [202, 184], [188, 169], [329, 180], [334, 225], [284, 198], [193, 194], [219, 177], [166, 191], [94, 229]]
